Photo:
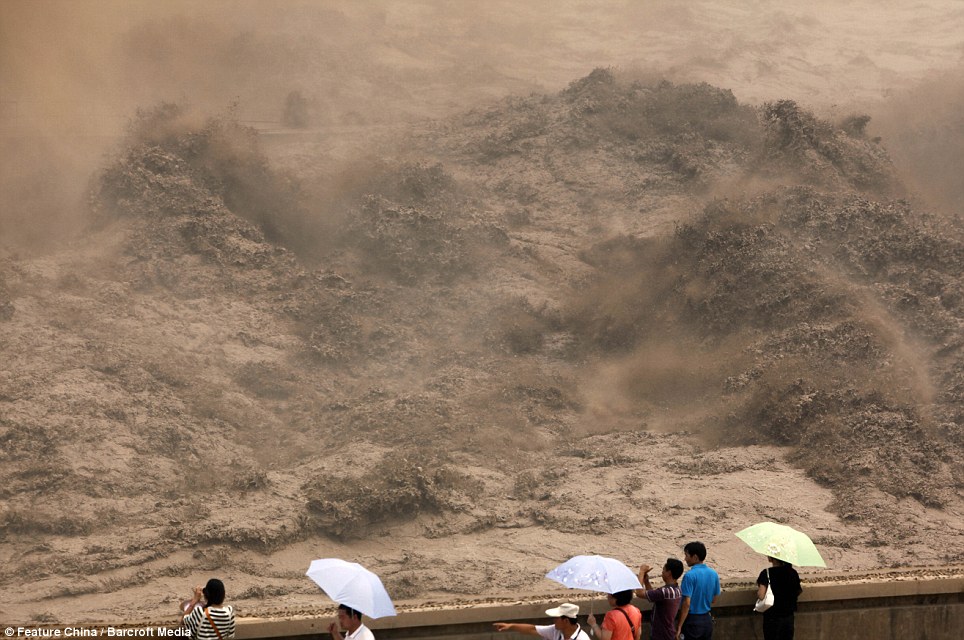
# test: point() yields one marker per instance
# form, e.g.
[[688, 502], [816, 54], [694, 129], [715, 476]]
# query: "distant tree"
[[295, 113]]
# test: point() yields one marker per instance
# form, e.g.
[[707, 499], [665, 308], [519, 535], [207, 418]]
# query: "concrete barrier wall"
[[921, 609]]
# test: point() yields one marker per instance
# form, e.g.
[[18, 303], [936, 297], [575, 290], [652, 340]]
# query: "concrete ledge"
[[890, 605], [914, 608]]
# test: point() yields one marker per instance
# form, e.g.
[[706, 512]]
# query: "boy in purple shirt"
[[666, 599]]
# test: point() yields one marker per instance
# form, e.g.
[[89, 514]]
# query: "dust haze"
[[397, 279], [73, 72]]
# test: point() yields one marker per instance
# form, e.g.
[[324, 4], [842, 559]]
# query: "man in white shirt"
[[350, 621], [564, 627]]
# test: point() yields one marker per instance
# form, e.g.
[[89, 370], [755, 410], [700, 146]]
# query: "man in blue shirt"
[[699, 587]]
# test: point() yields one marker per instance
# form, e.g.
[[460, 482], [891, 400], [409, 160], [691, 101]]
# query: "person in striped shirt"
[[666, 599], [213, 620]]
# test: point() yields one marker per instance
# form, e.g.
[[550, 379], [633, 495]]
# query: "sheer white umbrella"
[[595, 573]]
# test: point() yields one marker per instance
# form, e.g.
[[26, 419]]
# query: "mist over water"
[[923, 127], [73, 72]]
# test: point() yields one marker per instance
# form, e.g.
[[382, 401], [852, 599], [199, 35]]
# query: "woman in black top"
[[778, 619]]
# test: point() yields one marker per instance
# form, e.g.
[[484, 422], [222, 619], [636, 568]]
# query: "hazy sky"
[[80, 60], [72, 72]]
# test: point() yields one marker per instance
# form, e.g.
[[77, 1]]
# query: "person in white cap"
[[565, 626]]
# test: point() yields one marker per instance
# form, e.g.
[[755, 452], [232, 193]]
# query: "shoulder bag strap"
[[631, 627], [211, 620]]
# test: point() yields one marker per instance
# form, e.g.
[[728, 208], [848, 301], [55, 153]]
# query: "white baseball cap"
[[566, 609]]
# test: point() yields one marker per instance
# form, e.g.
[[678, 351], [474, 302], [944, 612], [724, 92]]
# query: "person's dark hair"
[[623, 597], [697, 549], [351, 612], [675, 567], [782, 562], [571, 620], [214, 592]]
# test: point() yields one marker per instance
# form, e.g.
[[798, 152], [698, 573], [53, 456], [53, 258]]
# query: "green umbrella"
[[782, 542]]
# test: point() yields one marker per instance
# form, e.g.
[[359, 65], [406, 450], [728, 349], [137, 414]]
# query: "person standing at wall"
[[622, 622], [700, 587], [212, 620], [666, 599], [351, 621], [784, 582], [564, 626]]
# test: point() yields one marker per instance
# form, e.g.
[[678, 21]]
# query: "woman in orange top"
[[622, 622]]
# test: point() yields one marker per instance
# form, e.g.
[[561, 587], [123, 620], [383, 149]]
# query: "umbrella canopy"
[[782, 542], [352, 585], [595, 573]]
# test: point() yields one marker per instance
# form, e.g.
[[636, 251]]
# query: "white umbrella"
[[352, 585], [595, 573]]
